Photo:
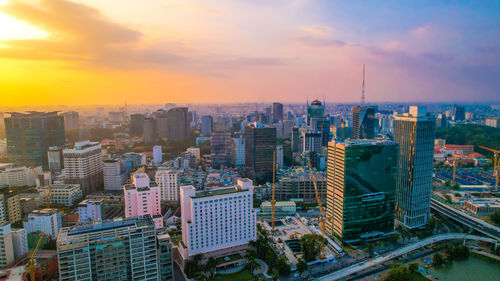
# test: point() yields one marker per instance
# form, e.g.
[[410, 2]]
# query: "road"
[[465, 219], [401, 251]]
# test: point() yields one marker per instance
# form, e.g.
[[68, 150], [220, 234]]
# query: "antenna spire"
[[363, 87]]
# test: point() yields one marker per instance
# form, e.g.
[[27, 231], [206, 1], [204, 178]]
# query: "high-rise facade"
[[143, 198], [363, 122], [29, 136], [296, 140], [18, 176], [414, 131], [217, 220], [10, 206], [116, 250], [238, 151], [361, 185], [115, 175], [157, 155], [206, 125], [90, 210], [149, 130], [279, 156], [63, 194], [48, 220], [178, 123], [169, 184], [55, 159], [277, 112], [260, 145], [6, 246], [311, 142], [83, 165], [71, 120], [315, 109], [165, 266], [136, 124], [458, 113], [220, 147]]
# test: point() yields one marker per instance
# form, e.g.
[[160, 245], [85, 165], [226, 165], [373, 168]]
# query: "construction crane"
[[496, 167], [318, 198], [30, 266], [48, 196], [273, 202]]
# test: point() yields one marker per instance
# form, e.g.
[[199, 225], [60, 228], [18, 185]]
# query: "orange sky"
[[185, 51]]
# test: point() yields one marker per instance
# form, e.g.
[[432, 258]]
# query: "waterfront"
[[474, 268]]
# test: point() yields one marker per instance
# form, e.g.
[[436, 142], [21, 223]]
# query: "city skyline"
[[93, 52]]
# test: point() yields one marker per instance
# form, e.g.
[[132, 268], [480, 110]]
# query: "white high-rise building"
[[238, 151], [219, 220], [279, 156], [19, 176], [143, 198], [19, 242], [48, 220], [169, 182], [6, 247], [83, 165], [89, 210], [414, 131], [114, 176], [157, 157]]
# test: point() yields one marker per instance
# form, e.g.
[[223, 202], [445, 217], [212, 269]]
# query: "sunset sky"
[[158, 51]]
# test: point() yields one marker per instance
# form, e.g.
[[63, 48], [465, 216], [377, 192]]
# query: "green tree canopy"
[[312, 245]]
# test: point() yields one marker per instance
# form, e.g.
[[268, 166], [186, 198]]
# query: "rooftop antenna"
[[363, 87]]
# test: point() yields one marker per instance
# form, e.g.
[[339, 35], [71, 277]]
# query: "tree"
[[394, 237], [251, 261], [312, 246], [495, 217], [413, 267], [399, 272], [283, 267], [210, 267], [438, 259], [301, 266]]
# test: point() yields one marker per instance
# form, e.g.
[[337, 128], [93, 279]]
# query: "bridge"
[[345, 272], [465, 219]]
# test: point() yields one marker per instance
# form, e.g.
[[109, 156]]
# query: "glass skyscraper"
[[260, 144], [414, 131], [361, 184], [363, 122], [29, 136]]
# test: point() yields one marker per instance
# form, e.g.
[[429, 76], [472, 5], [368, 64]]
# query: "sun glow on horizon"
[[11, 29]]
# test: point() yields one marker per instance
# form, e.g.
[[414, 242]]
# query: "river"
[[475, 268]]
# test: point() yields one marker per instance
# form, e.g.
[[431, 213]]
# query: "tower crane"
[[496, 166], [273, 202], [323, 218], [30, 266]]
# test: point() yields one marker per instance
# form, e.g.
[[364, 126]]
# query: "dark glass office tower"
[[29, 136], [361, 184], [136, 124], [260, 143], [363, 122], [277, 112]]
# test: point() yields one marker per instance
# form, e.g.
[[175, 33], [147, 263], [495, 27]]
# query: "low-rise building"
[[115, 174], [169, 184], [143, 198], [63, 194], [482, 206], [10, 206], [17, 176], [90, 210], [281, 207], [48, 220]]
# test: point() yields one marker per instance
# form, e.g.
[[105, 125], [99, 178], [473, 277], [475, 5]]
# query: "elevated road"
[[345, 272], [465, 219]]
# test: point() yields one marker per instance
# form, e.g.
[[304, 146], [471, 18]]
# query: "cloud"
[[419, 31], [80, 34], [317, 30]]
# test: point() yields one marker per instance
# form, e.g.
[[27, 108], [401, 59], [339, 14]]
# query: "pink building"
[[143, 198]]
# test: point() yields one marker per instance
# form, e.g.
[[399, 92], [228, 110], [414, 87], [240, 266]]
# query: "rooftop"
[[224, 191], [108, 225]]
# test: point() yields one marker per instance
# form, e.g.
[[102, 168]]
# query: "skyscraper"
[[136, 124], [220, 148], [157, 155], [115, 250], [295, 139], [363, 122], [55, 159], [71, 120], [361, 186], [260, 145], [238, 151], [178, 123], [83, 165], [277, 112], [206, 125], [315, 109], [29, 136], [149, 130], [311, 142], [414, 131], [458, 113]]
